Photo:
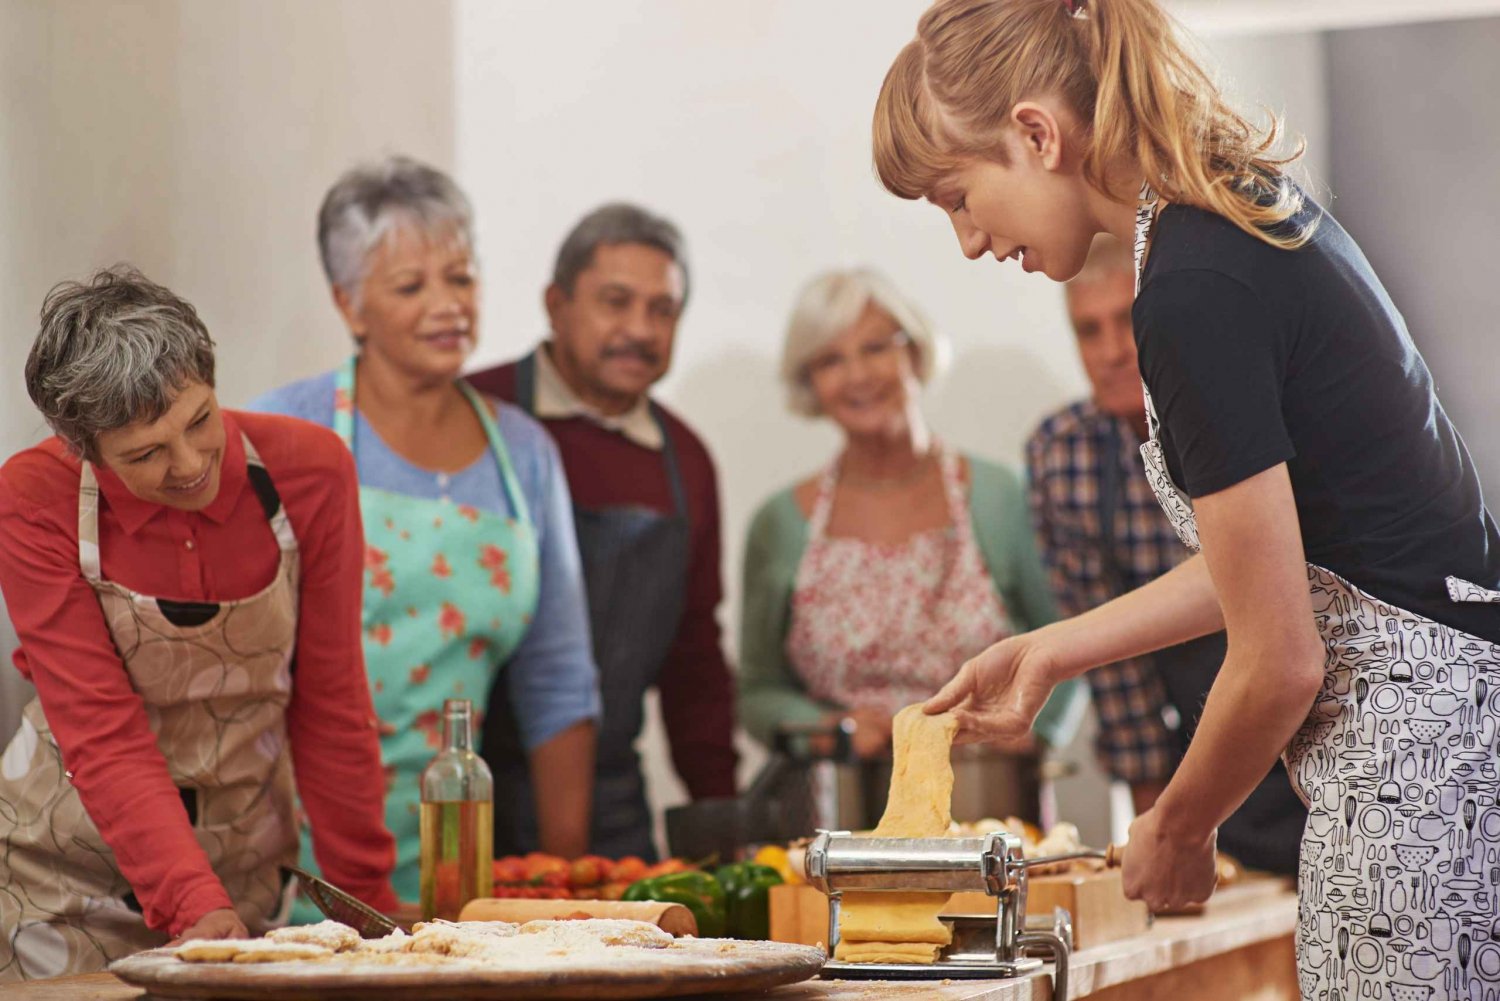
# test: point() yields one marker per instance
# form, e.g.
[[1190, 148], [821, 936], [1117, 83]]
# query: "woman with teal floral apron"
[[471, 562], [449, 593]]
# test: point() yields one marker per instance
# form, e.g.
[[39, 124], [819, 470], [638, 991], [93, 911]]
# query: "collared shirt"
[[556, 400], [1064, 457], [225, 552]]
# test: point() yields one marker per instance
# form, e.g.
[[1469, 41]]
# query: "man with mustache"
[[646, 507], [1101, 533]]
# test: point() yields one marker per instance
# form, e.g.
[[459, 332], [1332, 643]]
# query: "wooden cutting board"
[[689, 966], [1094, 900]]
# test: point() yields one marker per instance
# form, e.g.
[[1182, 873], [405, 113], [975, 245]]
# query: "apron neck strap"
[[89, 560], [343, 401], [497, 445], [1147, 203], [88, 523], [1145, 217], [343, 426], [1109, 503], [669, 459], [526, 383], [526, 400], [953, 492]]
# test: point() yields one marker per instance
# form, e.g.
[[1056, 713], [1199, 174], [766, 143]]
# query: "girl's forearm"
[[1255, 707], [1178, 606]]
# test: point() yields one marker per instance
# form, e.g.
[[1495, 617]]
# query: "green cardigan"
[[770, 691]]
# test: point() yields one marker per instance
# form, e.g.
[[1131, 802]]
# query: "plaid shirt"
[[1064, 457]]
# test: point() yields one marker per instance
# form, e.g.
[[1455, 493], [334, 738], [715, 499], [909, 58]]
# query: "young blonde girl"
[[1296, 443]]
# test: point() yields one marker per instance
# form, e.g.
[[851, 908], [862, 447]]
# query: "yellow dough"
[[904, 927], [893, 917], [886, 952]]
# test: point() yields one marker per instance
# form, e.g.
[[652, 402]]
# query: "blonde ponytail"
[[1119, 66]]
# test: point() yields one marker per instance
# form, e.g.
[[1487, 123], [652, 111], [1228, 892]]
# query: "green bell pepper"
[[747, 893], [697, 891]]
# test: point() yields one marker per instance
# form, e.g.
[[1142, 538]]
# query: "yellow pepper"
[[776, 857]]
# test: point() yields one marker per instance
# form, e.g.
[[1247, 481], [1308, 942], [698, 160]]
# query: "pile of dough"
[[248, 950], [877, 927], [329, 934], [436, 943], [609, 931]]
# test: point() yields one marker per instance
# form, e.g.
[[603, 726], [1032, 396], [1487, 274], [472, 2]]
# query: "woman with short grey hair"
[[371, 203], [150, 790], [472, 563], [863, 583]]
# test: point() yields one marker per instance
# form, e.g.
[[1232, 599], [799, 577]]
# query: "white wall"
[[195, 141], [749, 125], [196, 138], [1415, 171]]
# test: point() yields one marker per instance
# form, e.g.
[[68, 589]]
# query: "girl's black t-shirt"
[[1256, 356]]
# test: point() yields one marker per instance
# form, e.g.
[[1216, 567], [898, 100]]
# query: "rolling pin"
[[674, 919]]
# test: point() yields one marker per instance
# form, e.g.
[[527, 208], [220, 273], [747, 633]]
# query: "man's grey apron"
[[1397, 762], [1264, 832], [635, 567]]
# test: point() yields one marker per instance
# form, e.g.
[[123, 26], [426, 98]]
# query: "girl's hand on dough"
[[996, 696]]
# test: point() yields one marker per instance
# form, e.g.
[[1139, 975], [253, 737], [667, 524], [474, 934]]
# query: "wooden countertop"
[[1260, 913], [1257, 916]]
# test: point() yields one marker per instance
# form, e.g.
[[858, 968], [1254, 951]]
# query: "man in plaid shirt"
[[1101, 533]]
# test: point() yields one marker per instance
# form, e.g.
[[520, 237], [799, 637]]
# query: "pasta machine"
[[993, 864]]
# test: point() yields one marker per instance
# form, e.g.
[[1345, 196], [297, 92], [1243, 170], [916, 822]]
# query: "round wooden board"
[[689, 966]]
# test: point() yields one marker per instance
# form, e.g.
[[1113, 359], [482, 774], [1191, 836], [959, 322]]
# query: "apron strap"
[[497, 445], [343, 402], [270, 498], [669, 457], [88, 523], [817, 522], [343, 426], [1109, 504], [1145, 217], [1460, 590], [526, 400], [950, 463], [260, 481], [526, 383]]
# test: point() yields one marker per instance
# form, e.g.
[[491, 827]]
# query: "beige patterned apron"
[[215, 679]]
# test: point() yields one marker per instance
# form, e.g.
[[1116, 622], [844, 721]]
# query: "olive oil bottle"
[[458, 804]]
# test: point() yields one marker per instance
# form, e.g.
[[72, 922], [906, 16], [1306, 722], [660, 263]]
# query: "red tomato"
[[588, 870], [627, 870], [539, 865], [554, 878], [510, 869]]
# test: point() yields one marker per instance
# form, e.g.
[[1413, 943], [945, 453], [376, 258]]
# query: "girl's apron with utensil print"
[[1399, 876]]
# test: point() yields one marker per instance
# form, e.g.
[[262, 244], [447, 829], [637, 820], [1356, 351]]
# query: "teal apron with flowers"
[[449, 593]]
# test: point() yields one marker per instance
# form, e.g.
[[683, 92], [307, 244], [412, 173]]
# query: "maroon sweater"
[[606, 469]]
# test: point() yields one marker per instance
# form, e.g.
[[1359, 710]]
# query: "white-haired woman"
[[865, 583], [150, 790], [471, 559]]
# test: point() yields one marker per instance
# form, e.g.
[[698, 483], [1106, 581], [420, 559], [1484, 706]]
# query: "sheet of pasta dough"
[[904, 927]]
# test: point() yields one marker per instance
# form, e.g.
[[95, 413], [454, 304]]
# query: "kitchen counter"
[[1241, 945]]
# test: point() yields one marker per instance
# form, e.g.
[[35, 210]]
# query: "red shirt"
[[223, 553], [606, 469]]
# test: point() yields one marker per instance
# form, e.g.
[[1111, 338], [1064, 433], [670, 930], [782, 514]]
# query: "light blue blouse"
[[552, 676]]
